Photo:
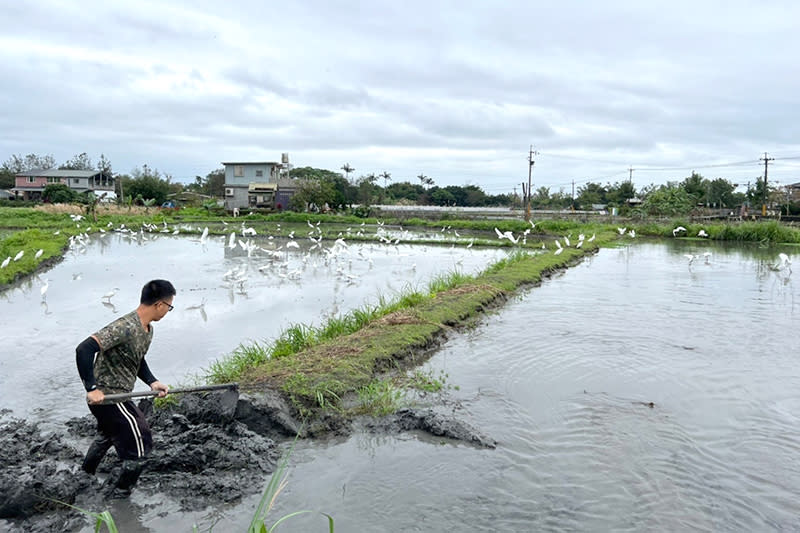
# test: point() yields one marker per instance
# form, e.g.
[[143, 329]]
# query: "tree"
[[670, 199], [104, 165], [387, 177], [58, 193], [696, 187], [404, 190], [619, 193], [347, 170], [19, 163], [147, 184], [590, 194], [424, 180], [720, 193], [78, 162], [541, 198], [326, 186], [441, 196], [314, 192], [366, 188]]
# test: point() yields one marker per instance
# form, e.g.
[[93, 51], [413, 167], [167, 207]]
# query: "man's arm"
[[147, 376], [84, 357]]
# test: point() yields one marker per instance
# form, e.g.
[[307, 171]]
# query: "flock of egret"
[[338, 257]]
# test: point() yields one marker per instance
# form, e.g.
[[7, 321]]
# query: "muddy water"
[[563, 378], [224, 297]]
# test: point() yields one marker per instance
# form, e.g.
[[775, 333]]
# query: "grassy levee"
[[320, 372]]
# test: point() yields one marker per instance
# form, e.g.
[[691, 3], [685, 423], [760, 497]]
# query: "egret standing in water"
[[43, 290], [110, 294]]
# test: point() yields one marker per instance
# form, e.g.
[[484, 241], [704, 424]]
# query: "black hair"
[[155, 291]]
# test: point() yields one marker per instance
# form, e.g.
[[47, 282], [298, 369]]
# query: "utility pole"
[[572, 204], [766, 161], [630, 174], [524, 194], [531, 153]]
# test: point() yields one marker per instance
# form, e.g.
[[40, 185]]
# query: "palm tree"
[[425, 180], [386, 178], [347, 170]]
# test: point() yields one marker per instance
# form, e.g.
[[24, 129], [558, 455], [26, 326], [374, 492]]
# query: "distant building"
[[30, 184], [258, 184], [793, 191]]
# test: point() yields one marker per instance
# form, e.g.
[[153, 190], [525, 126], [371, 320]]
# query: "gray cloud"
[[456, 91]]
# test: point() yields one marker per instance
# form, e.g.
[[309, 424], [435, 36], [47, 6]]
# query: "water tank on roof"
[[285, 158]]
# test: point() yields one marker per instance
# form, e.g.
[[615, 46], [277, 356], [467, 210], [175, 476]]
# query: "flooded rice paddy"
[[634, 391], [225, 297]]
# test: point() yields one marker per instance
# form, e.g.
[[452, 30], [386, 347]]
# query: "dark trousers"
[[125, 426]]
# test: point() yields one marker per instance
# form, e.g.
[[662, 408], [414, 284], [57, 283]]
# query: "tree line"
[[146, 185]]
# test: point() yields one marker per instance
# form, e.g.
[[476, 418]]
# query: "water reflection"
[[249, 297]]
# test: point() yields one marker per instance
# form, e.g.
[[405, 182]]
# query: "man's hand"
[[95, 397], [163, 389]]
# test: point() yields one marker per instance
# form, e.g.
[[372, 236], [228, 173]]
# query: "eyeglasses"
[[171, 307]]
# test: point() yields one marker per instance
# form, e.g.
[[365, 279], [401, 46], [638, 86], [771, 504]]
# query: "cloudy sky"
[[457, 91]]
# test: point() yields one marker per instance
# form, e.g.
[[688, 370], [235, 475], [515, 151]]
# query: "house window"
[[238, 171], [31, 179], [259, 173], [53, 180], [75, 181]]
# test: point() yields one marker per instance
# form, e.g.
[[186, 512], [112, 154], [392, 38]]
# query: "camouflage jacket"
[[123, 345]]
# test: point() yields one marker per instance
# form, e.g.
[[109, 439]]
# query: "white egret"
[[6, 261], [110, 294], [19, 255], [591, 238], [204, 236], [43, 290], [38, 254], [622, 230], [232, 240], [292, 244], [702, 233], [690, 257], [632, 233], [678, 230], [566, 241], [707, 255], [783, 262]]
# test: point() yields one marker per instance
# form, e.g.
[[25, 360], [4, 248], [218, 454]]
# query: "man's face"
[[163, 307]]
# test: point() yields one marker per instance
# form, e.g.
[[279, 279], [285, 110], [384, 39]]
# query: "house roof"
[[56, 173]]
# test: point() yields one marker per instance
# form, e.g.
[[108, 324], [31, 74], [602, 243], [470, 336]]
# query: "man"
[[109, 363]]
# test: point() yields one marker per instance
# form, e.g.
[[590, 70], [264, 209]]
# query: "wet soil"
[[208, 449], [201, 456]]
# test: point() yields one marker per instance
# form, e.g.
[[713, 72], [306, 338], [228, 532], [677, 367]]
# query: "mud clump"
[[430, 421]]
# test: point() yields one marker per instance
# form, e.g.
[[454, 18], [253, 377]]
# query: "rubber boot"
[[95, 455], [128, 475]]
